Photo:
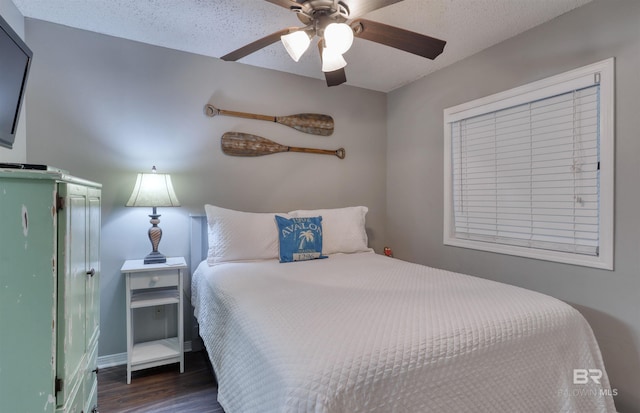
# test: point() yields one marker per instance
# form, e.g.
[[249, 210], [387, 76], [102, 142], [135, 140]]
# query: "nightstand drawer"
[[154, 279]]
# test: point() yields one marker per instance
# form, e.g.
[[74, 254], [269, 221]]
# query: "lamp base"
[[155, 258], [155, 234]]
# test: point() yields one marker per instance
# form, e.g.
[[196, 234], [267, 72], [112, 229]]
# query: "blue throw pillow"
[[300, 238]]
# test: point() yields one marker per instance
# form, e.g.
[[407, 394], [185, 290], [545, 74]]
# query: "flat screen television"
[[15, 60]]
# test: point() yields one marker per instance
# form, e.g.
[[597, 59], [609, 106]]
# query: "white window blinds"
[[528, 175], [529, 171]]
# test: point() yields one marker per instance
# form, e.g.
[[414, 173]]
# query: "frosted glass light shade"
[[296, 43], [153, 190], [331, 60], [338, 37]]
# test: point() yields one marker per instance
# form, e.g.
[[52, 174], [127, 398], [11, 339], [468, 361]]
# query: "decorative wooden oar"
[[244, 144], [312, 123]]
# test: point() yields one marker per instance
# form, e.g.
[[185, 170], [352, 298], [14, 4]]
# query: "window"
[[529, 171]]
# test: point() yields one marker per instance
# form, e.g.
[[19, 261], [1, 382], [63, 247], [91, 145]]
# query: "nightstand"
[[149, 285]]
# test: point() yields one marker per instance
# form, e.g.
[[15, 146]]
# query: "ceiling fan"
[[335, 23]]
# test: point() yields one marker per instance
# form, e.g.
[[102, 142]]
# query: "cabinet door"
[[92, 300], [72, 282], [93, 263]]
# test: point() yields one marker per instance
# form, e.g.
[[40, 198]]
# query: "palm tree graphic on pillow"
[[306, 236]]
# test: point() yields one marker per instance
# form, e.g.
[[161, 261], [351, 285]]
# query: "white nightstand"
[[150, 285]]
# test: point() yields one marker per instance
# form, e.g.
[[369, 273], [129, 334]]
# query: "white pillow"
[[241, 236], [343, 229]]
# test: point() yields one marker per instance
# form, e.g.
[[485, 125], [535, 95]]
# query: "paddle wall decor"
[[312, 123], [244, 144]]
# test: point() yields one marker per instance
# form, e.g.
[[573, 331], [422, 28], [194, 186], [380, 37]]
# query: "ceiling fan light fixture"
[[332, 61], [296, 43], [338, 37]]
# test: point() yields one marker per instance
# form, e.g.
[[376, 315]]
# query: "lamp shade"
[[338, 37], [296, 43], [332, 61], [153, 190]]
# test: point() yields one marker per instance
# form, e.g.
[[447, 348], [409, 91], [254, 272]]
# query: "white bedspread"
[[366, 333]]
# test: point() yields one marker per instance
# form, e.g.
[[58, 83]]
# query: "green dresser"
[[49, 292]]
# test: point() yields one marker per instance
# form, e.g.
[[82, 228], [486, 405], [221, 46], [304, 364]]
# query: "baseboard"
[[111, 360]]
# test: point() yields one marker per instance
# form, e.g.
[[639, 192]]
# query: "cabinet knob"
[[91, 272], [155, 278], [95, 409], [96, 370]]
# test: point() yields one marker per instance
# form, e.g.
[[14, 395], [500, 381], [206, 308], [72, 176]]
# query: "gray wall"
[[609, 300], [18, 154], [105, 108]]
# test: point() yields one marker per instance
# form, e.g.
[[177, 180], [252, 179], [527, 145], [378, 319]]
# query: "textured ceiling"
[[216, 27]]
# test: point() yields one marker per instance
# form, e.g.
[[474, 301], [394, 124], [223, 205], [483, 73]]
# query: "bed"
[[362, 332]]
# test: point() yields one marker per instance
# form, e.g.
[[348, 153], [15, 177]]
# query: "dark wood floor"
[[160, 389]]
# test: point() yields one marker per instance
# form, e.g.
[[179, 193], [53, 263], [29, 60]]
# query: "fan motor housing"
[[311, 10]]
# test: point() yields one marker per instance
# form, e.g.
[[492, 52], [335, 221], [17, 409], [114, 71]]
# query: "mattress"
[[367, 333]]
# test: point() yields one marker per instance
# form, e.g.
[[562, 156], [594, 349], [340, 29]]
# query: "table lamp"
[[153, 190]]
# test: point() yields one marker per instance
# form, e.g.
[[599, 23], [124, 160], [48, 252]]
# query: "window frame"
[[527, 93]]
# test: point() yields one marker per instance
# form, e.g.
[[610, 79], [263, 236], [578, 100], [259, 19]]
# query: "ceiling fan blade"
[[406, 40], [361, 7], [336, 77], [257, 45]]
